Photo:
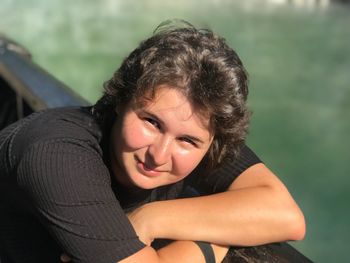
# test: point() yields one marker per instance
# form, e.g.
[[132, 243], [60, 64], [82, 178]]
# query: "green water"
[[299, 65]]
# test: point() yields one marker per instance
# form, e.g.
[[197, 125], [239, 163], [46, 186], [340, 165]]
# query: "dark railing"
[[25, 87]]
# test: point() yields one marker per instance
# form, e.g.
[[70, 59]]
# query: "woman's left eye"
[[188, 140]]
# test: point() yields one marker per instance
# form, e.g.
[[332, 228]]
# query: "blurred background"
[[296, 52]]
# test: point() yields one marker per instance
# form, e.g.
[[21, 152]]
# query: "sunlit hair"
[[197, 63]]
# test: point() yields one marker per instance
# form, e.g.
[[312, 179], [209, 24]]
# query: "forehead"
[[172, 101]]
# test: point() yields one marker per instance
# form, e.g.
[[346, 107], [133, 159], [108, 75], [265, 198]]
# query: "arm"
[[178, 251], [256, 209], [68, 187]]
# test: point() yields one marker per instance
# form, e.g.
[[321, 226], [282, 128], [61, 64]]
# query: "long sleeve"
[[69, 188], [220, 179]]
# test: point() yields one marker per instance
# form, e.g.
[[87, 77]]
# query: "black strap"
[[207, 251]]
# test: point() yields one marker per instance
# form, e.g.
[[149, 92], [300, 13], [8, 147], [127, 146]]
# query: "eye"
[[153, 122], [188, 140]]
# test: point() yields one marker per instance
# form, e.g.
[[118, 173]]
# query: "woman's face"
[[160, 142]]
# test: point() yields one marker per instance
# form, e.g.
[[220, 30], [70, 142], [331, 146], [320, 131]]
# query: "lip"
[[142, 168]]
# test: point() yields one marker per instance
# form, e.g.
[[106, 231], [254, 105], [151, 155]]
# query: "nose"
[[159, 151]]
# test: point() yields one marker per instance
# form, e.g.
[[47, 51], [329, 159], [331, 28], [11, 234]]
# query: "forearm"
[[256, 209], [249, 216]]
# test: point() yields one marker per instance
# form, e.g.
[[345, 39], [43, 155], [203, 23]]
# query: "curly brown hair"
[[199, 64]]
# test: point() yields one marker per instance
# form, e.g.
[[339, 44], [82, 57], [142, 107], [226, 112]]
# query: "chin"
[[146, 186], [142, 182]]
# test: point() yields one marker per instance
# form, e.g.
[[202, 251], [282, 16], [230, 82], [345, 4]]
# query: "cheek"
[[184, 163], [135, 136]]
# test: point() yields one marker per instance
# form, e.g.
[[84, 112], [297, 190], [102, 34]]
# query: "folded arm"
[[256, 209]]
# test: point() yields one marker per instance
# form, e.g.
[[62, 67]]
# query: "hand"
[[139, 221]]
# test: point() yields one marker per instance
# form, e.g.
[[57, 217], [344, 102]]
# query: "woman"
[[102, 183]]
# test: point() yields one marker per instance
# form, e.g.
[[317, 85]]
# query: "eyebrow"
[[193, 138]]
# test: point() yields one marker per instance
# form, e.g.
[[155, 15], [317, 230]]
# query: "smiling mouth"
[[144, 169]]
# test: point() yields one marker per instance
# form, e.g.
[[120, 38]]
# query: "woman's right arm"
[[177, 251]]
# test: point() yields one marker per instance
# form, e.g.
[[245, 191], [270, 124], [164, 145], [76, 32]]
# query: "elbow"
[[291, 219], [299, 230], [293, 225], [297, 225]]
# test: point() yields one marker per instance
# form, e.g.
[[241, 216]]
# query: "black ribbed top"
[[56, 192]]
